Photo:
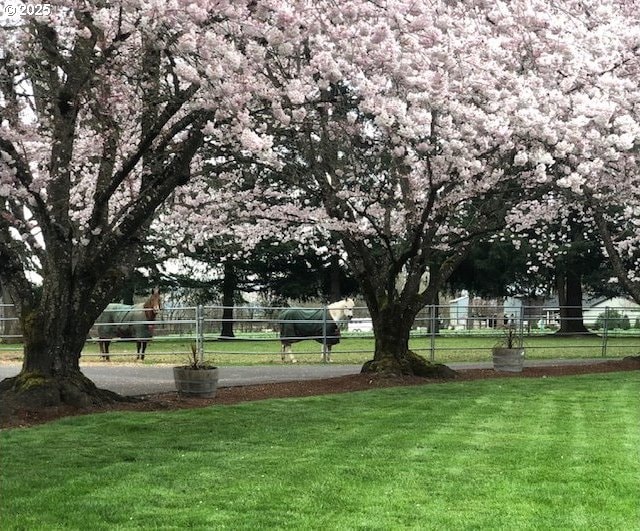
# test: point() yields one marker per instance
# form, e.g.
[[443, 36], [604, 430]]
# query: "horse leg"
[[141, 346], [286, 350], [104, 350], [326, 353]]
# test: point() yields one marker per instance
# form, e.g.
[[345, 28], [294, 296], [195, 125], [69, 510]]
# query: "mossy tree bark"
[[392, 356], [56, 319], [55, 328], [395, 292]]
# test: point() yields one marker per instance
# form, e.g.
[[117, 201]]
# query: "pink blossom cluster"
[[368, 120]]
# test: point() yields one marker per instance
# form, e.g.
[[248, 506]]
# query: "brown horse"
[[130, 322]]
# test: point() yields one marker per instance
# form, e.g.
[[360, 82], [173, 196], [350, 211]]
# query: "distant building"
[[592, 308], [591, 311]]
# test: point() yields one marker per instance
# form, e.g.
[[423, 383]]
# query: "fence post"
[[325, 310], [605, 332], [200, 332], [432, 313], [521, 329]]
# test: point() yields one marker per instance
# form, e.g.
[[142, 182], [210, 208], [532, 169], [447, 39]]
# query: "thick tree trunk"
[[51, 375], [392, 326], [229, 284], [54, 334], [391, 341], [569, 284]]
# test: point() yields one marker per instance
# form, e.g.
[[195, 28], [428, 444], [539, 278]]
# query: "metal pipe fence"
[[439, 333], [9, 326]]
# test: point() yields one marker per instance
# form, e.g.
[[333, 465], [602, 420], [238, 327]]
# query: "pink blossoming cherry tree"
[[411, 130], [408, 130], [104, 110]]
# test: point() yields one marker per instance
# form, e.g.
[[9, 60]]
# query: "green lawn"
[[449, 347], [552, 453]]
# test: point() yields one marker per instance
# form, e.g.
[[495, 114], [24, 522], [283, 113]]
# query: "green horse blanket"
[[123, 320], [297, 324]]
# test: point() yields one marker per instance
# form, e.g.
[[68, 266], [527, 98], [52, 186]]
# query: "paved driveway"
[[136, 379], [130, 379]]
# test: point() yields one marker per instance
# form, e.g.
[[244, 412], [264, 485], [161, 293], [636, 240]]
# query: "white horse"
[[298, 324]]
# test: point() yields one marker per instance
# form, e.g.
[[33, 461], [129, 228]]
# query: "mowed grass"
[[552, 453], [356, 349]]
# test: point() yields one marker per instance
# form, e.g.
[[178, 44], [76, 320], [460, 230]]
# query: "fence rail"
[[437, 333]]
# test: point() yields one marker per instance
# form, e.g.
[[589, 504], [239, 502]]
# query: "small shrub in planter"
[[196, 378], [508, 354]]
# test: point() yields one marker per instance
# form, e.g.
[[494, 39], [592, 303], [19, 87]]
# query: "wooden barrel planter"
[[508, 359], [201, 381]]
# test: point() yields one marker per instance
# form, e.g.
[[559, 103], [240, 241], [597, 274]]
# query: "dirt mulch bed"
[[341, 384]]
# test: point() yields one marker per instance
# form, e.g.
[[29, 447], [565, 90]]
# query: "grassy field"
[[356, 349], [554, 453]]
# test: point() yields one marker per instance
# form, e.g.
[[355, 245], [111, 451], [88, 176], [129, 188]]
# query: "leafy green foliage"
[[611, 320]]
